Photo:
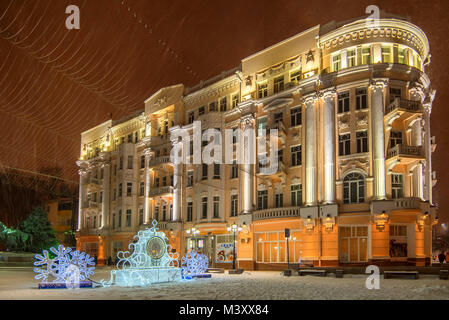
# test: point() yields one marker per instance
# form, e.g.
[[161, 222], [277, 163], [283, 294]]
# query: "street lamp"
[[193, 231], [234, 228]]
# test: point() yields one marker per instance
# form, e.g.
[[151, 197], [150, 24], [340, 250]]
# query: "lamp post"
[[193, 231], [234, 228]]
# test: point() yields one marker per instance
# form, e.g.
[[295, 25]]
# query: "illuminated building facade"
[[352, 105]]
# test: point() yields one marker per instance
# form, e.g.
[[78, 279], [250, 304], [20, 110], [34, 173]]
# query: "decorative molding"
[[309, 99], [378, 84]]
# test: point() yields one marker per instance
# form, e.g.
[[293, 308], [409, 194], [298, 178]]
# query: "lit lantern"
[[310, 223], [381, 220], [329, 223], [421, 220]]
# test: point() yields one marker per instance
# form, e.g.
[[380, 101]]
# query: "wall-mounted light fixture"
[[329, 222], [381, 220], [309, 223], [421, 220]]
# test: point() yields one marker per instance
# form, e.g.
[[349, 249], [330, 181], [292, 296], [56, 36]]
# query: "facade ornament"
[[248, 121], [310, 99], [248, 81], [378, 84], [309, 56], [160, 101], [328, 95], [363, 120], [417, 89], [343, 124]]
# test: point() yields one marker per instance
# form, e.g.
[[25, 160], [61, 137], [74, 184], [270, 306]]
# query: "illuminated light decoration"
[[194, 264], [421, 220], [149, 260], [68, 269], [381, 220]]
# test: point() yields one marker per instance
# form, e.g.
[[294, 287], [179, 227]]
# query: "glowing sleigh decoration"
[[68, 269], [148, 261]]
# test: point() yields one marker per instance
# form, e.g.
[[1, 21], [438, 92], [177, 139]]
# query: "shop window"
[[353, 244], [398, 241]]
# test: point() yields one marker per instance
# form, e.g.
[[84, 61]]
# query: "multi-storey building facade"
[[351, 103]]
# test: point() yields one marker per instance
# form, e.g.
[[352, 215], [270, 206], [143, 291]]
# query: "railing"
[[159, 160], [404, 105], [404, 150], [155, 191], [407, 203], [95, 181], [275, 213]]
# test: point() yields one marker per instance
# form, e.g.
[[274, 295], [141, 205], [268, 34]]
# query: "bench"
[[395, 274], [339, 273], [289, 272], [313, 272], [215, 270], [236, 271]]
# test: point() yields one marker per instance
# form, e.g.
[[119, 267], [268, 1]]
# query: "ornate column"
[[106, 194], [81, 172], [147, 153], [417, 94], [377, 87], [310, 148], [249, 153], [427, 106], [177, 182], [329, 144]]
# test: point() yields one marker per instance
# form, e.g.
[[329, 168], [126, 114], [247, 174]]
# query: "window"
[[201, 110], [351, 58], [262, 90], [366, 55], [121, 163], [156, 213], [296, 195], [140, 216], [128, 217], [156, 182], [295, 117], [235, 100], [272, 246], [216, 207], [113, 221], [164, 212], [398, 241], [336, 62], [395, 93], [141, 189], [142, 162], [401, 55], [262, 200], [136, 136], [129, 189], [130, 138], [189, 211], [234, 205], [114, 195], [164, 181], [344, 144], [223, 104], [397, 185], [279, 116], [204, 177], [191, 117], [395, 138], [278, 84], [261, 125], [171, 181], [204, 208], [234, 170], [94, 222], [101, 197], [354, 188], [278, 200], [130, 162], [295, 76], [353, 244], [213, 106], [386, 54], [120, 190], [361, 99], [120, 218], [102, 173], [362, 141], [190, 178], [171, 211], [343, 102], [216, 171], [296, 155]]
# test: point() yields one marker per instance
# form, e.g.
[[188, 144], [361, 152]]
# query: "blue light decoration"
[[68, 269], [194, 265], [149, 260]]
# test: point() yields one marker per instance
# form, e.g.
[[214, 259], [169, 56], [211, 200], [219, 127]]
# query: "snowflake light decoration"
[[66, 267], [194, 264], [149, 260]]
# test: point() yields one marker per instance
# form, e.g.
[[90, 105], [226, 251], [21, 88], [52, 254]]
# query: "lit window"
[[401, 55], [296, 195], [295, 76], [366, 55], [235, 100], [336, 62], [278, 84], [262, 199], [262, 90], [351, 58], [397, 185], [386, 54]]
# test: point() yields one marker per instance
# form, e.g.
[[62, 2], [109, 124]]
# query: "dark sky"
[[56, 83]]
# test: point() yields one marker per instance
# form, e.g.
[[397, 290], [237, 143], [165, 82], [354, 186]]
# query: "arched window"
[[354, 188]]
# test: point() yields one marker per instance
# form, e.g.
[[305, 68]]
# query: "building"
[[351, 102], [62, 214]]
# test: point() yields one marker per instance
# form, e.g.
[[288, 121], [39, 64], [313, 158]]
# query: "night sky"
[[56, 83]]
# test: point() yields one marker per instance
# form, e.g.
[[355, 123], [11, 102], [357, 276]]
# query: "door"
[[353, 244]]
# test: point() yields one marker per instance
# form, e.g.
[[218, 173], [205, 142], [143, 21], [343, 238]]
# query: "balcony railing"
[[404, 105], [276, 213], [407, 151], [156, 191], [159, 160]]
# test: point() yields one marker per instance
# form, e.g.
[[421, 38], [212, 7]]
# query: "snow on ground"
[[19, 283]]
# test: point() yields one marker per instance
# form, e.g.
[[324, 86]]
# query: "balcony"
[[278, 173], [93, 183], [159, 160], [276, 213], [407, 154], [161, 191], [405, 109]]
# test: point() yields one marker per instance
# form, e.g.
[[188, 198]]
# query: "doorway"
[[353, 244]]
